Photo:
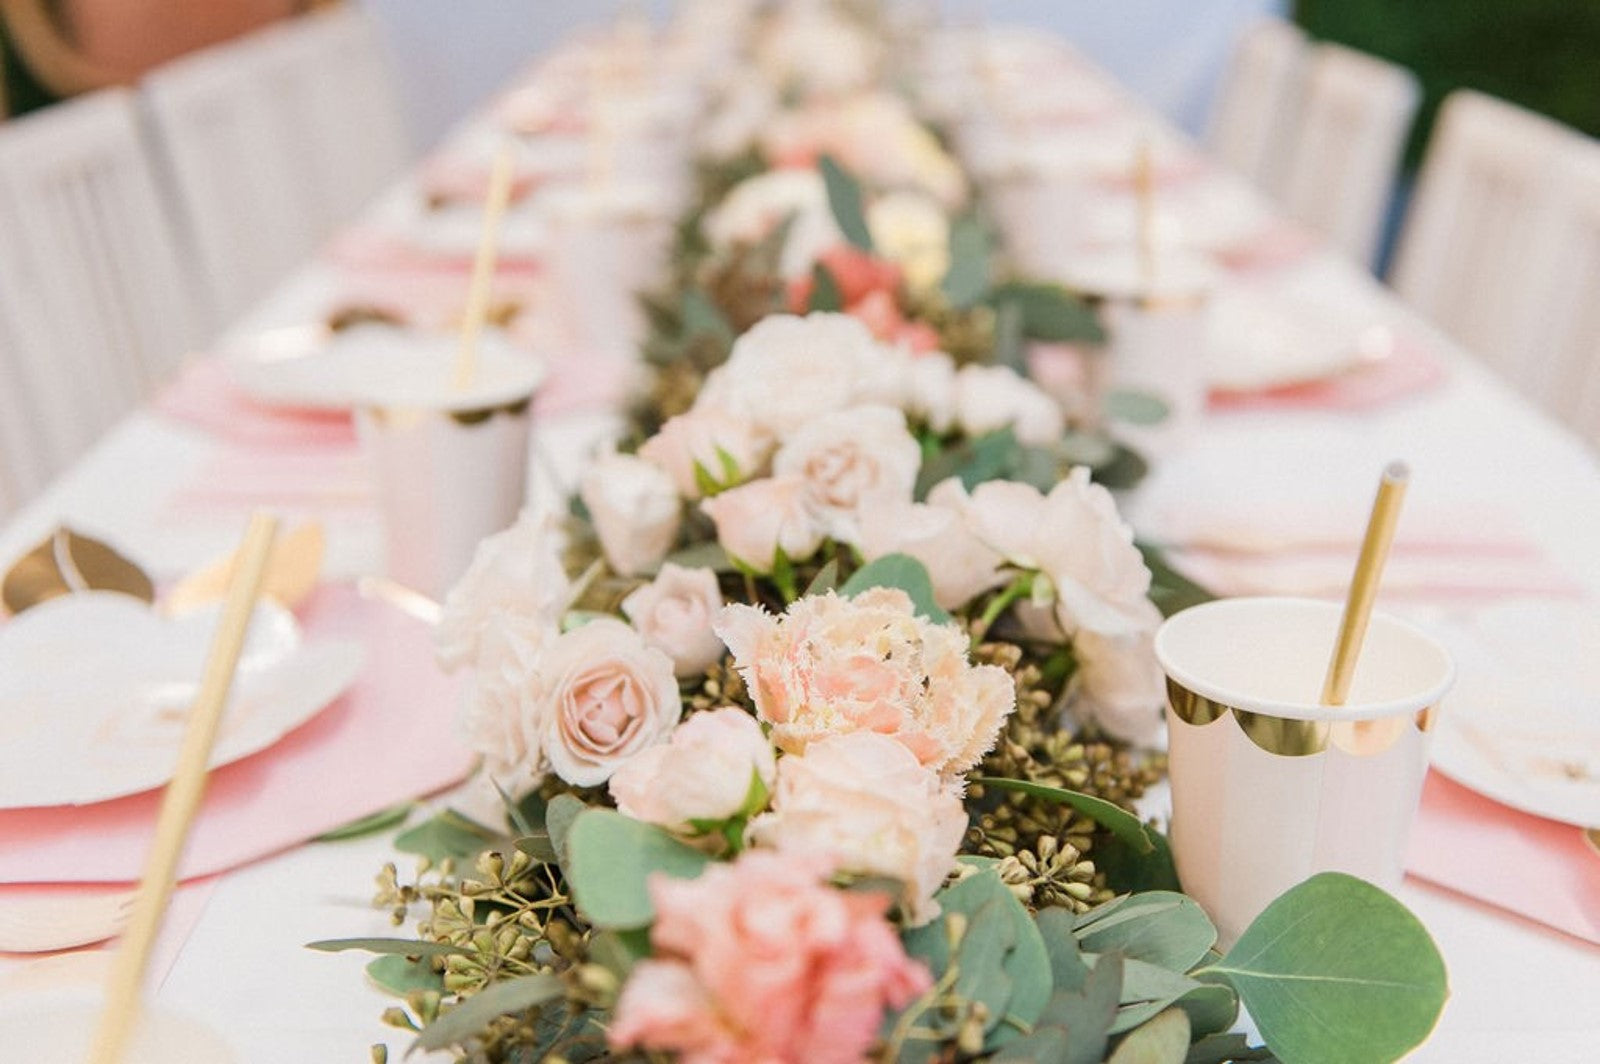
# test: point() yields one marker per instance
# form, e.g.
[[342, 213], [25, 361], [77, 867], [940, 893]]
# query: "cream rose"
[[500, 719], [935, 533], [674, 613], [758, 519], [863, 800], [930, 390], [705, 772], [1076, 538], [1120, 684], [517, 573], [788, 370], [602, 697], [851, 461], [712, 440], [758, 205], [988, 398], [635, 508], [910, 229], [830, 665]]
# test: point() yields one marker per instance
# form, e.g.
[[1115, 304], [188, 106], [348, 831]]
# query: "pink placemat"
[[204, 397], [369, 249], [1525, 864], [388, 739], [1411, 369]]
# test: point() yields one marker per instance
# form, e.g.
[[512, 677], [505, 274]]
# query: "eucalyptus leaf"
[[1009, 333], [827, 578], [1335, 971], [1136, 408], [612, 857], [1124, 469], [1088, 1013], [400, 947], [1159, 927], [988, 457], [370, 824], [701, 315], [845, 200], [1121, 823], [825, 294], [971, 252], [1170, 590], [619, 951], [537, 845], [1050, 312], [1043, 1045], [1164, 1040], [400, 976], [1130, 870], [980, 961], [447, 834], [1226, 1048], [559, 816], [899, 571], [1067, 967], [468, 1019], [707, 555]]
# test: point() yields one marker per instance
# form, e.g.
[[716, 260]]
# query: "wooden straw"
[[182, 797], [1364, 585], [494, 211], [1144, 188]]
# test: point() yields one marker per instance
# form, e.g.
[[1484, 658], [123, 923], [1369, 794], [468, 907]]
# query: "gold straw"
[[182, 797], [494, 210], [1364, 584], [1144, 187]]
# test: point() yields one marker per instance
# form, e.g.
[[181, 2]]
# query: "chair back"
[[1249, 123]]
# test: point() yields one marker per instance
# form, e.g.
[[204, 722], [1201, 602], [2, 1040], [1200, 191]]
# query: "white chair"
[[272, 140], [94, 308], [1478, 230], [1563, 349], [1349, 129], [1249, 123]]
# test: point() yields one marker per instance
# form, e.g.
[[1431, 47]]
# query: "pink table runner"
[[390, 738]]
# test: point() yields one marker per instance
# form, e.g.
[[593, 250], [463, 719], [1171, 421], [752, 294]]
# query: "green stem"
[[1019, 588]]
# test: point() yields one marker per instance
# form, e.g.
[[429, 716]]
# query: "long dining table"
[[170, 487]]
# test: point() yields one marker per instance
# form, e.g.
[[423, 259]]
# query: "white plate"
[[1258, 339], [95, 689], [311, 367], [1523, 724]]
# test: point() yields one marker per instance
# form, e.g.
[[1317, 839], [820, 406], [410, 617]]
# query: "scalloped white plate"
[[95, 690]]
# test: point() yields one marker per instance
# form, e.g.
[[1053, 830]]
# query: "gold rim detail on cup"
[[407, 416], [1291, 737]]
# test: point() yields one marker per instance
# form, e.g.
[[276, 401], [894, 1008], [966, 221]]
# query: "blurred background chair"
[[271, 141], [1249, 124], [1470, 256], [1564, 343], [1349, 128], [95, 310]]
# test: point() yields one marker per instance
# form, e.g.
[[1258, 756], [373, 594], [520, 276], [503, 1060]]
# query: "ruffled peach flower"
[[635, 509], [602, 697], [831, 665], [756, 520], [863, 801], [703, 773], [760, 962], [852, 461], [1076, 538], [674, 613]]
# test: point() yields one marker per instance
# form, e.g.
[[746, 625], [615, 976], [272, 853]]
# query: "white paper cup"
[[451, 465], [1268, 786], [608, 243]]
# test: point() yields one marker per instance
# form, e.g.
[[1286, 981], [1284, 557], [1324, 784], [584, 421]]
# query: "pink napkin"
[[1279, 244], [203, 396], [1409, 370], [388, 739], [1533, 867], [188, 904], [368, 248]]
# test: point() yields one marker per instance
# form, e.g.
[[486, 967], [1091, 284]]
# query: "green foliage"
[[400, 976], [1170, 590], [612, 857], [899, 571], [370, 824], [1158, 927], [1335, 971], [1136, 408], [825, 294], [399, 947], [971, 262], [447, 834], [1121, 823], [1164, 1040], [846, 202], [472, 1014], [1049, 312]]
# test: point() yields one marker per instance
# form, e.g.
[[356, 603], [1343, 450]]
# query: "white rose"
[[756, 520], [602, 697], [755, 208], [710, 439], [674, 613], [930, 389], [1120, 684], [517, 572], [910, 229], [852, 461], [935, 533], [704, 772], [865, 801], [988, 398], [499, 719], [788, 370], [1076, 538], [635, 508]]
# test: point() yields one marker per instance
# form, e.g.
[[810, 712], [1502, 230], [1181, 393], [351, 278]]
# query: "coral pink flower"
[[761, 961]]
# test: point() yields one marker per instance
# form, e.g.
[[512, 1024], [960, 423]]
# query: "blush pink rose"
[[1120, 683], [603, 697], [712, 440], [704, 772], [635, 509], [850, 461], [863, 801], [674, 613], [516, 573], [830, 665], [937, 534], [500, 718], [756, 520], [761, 962]]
